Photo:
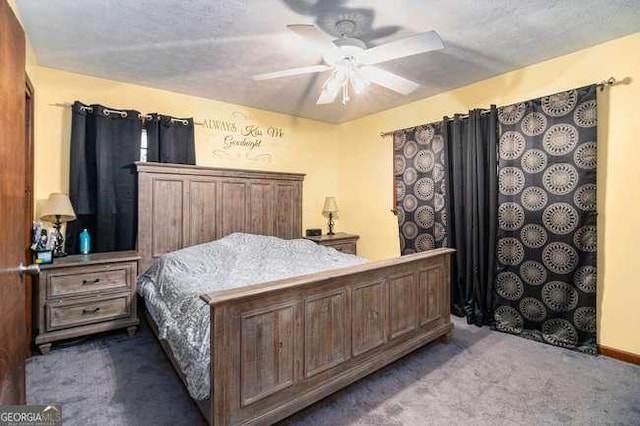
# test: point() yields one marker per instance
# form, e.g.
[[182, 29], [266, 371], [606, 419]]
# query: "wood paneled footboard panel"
[[280, 346]]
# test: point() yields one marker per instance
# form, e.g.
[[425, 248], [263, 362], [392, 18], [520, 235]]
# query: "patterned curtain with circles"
[[420, 177], [546, 244]]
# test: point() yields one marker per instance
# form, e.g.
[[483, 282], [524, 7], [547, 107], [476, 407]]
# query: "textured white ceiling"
[[211, 48]]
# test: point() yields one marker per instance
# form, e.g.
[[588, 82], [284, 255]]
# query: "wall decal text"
[[242, 137]]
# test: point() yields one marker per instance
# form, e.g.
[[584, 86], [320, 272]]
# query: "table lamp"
[[58, 210], [330, 210]]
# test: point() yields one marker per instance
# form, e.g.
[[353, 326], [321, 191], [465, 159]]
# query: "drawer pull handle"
[[86, 282], [90, 311]]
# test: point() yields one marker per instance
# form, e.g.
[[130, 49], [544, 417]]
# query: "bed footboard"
[[281, 346]]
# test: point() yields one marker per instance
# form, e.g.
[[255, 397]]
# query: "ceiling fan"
[[352, 64]]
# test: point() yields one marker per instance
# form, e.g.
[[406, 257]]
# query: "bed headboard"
[[180, 206]]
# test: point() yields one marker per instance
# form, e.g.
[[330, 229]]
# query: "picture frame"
[[43, 257]]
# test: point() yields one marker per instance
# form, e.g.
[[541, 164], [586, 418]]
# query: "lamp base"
[[58, 248], [331, 224]]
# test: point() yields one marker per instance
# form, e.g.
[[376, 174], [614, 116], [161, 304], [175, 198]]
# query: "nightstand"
[[84, 294], [341, 241]]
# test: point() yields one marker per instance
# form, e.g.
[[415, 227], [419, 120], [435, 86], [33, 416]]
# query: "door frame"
[[29, 129]]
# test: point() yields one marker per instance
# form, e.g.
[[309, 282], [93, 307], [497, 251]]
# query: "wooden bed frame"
[[280, 346]]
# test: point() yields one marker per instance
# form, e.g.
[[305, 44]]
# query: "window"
[[143, 145]]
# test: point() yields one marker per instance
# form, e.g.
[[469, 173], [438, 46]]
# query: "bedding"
[[172, 286]]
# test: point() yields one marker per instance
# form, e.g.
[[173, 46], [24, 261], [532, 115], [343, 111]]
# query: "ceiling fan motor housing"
[[349, 48]]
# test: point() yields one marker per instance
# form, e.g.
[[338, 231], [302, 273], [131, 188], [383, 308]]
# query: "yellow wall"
[[352, 162], [366, 168], [306, 146]]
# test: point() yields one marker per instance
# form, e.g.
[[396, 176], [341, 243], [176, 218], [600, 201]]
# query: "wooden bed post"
[[220, 364]]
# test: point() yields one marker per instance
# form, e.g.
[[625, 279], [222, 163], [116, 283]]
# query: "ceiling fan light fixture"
[[338, 82], [346, 73], [338, 79], [359, 81]]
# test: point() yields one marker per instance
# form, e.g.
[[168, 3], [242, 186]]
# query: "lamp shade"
[[58, 205], [330, 206]]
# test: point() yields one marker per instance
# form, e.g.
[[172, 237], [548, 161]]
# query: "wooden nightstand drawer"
[[82, 312], [87, 280], [349, 248], [341, 241]]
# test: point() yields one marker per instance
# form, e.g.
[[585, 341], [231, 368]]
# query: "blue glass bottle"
[[85, 242]]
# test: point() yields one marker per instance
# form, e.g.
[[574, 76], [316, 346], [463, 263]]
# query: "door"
[[12, 212]]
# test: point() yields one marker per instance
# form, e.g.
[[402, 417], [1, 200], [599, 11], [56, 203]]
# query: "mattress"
[[172, 286]]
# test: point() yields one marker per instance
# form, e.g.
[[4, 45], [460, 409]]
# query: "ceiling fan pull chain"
[[345, 87]]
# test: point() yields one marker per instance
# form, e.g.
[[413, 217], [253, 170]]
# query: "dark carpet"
[[481, 377]]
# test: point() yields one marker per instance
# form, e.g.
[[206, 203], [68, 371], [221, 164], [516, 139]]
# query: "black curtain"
[[170, 139], [471, 144], [446, 188], [546, 248], [102, 183]]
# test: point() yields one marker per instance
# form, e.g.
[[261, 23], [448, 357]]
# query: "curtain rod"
[[391, 132], [611, 81], [123, 114]]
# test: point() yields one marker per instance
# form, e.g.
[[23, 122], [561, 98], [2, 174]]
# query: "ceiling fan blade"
[[419, 43], [292, 71], [389, 80], [327, 97], [313, 35]]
